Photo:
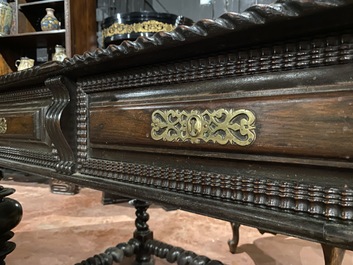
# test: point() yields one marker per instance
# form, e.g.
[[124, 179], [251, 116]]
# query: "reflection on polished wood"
[[99, 114]]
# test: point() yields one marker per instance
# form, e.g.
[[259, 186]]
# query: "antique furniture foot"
[[62, 187], [233, 243], [10, 216], [143, 246], [111, 198], [332, 255]]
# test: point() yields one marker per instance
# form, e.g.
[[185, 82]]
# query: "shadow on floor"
[[63, 230]]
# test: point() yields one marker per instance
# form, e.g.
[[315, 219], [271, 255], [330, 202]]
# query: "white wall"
[[193, 10], [189, 8]]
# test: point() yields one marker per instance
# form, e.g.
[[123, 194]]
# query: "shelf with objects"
[[38, 28]]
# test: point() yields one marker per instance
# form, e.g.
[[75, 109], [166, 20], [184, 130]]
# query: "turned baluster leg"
[[142, 233], [233, 243], [10, 216], [332, 255]]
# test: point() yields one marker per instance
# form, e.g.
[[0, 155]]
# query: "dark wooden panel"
[[24, 125], [21, 125], [292, 125], [82, 28]]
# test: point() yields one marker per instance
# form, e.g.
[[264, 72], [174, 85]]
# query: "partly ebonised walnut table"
[[248, 118]]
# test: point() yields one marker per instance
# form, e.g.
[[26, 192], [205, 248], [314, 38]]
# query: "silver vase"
[[5, 18]]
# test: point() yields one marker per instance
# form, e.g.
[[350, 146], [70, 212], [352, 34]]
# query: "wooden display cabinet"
[[77, 32]]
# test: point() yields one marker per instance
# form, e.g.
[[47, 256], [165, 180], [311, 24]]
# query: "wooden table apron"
[[241, 119]]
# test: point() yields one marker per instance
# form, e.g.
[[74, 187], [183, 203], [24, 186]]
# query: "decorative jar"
[[60, 53], [5, 18], [24, 63], [49, 22]]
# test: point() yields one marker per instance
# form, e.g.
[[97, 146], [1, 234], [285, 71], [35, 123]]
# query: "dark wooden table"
[[248, 118]]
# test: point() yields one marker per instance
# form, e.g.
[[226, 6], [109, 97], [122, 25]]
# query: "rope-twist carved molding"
[[251, 17], [257, 15]]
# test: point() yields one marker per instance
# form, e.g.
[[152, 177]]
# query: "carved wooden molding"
[[59, 87], [32, 93], [81, 120], [29, 157], [255, 16], [297, 54], [274, 195]]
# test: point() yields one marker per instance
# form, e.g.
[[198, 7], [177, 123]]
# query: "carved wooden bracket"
[[60, 86]]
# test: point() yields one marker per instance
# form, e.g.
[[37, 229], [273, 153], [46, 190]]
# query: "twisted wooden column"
[[10, 216], [143, 246], [142, 232]]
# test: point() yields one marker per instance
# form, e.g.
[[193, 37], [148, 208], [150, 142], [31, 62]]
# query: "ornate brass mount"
[[3, 125], [220, 126], [146, 26]]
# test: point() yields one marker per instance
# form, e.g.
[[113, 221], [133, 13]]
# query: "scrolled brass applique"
[[143, 27], [153, 26], [220, 126], [3, 125]]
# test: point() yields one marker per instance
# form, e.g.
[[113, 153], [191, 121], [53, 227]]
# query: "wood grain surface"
[[289, 125]]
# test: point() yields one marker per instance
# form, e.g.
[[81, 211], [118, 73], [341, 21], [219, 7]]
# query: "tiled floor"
[[63, 230]]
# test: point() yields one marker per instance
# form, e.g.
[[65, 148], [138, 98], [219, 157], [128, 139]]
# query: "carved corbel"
[[60, 122]]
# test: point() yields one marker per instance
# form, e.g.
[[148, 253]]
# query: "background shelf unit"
[[77, 33]]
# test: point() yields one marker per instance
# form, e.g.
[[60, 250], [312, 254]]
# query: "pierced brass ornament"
[[220, 126], [144, 27], [3, 125]]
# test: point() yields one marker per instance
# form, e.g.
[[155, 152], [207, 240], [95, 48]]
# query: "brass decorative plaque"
[[220, 126], [146, 26], [3, 125]]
